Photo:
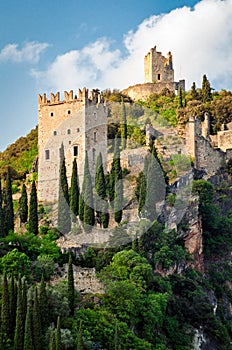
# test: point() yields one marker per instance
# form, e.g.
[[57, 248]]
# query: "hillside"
[[20, 155]]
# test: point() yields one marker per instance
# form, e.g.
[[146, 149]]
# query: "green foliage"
[[9, 210], [44, 266], [100, 202], [64, 217], [74, 191], [5, 311], [71, 291], [2, 213], [20, 155], [33, 224], [28, 335], [23, 205], [15, 263], [20, 318], [206, 90]]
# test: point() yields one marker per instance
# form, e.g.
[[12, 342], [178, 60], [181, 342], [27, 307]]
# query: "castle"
[[77, 122], [158, 76]]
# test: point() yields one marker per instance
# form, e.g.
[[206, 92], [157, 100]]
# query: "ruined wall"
[[224, 139], [80, 124], [158, 68], [143, 91]]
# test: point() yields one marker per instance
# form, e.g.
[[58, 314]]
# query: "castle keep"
[[158, 75], [80, 123]]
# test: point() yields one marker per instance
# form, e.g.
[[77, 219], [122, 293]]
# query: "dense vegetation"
[[155, 296]]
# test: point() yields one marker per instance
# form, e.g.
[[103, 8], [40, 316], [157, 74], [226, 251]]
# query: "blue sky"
[[49, 46]]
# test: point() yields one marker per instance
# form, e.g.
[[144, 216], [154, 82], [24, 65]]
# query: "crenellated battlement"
[[82, 96]]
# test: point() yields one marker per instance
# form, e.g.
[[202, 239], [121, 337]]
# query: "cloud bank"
[[199, 38], [30, 52]]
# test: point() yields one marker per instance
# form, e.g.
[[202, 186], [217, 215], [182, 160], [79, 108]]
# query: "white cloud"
[[199, 39], [30, 52]]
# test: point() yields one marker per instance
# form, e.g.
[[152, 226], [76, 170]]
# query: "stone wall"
[[143, 91], [80, 123]]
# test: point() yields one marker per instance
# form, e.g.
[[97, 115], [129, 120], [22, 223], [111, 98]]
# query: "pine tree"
[[28, 334], [19, 324], [100, 187], [206, 90], [9, 211], [43, 305], [36, 323], [2, 216], [71, 289], [80, 341], [33, 224], [5, 311], [23, 205], [123, 126], [58, 335], [64, 219], [74, 191]]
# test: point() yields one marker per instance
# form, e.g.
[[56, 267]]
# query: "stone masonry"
[[80, 123]]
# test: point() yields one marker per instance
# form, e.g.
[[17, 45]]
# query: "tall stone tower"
[[80, 123], [158, 68]]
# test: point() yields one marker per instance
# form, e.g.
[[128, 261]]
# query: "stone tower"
[[158, 68], [80, 123]]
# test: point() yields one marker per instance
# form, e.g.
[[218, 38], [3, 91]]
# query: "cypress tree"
[[6, 329], [24, 299], [193, 92], [87, 210], [74, 191], [80, 341], [19, 324], [71, 289], [100, 187], [123, 126], [52, 341], [43, 305], [23, 206], [206, 90], [142, 193], [118, 185], [58, 335], [2, 216], [28, 334], [33, 211], [13, 302], [64, 219], [36, 323], [180, 97], [115, 168], [9, 211]]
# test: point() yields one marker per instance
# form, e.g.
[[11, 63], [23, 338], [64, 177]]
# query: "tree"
[[13, 302], [100, 187], [193, 92], [33, 224], [206, 90], [58, 335], [15, 263], [5, 311], [43, 305], [9, 211], [71, 289], [123, 126], [64, 219], [74, 191], [37, 332], [23, 205], [80, 341], [2, 216], [142, 192], [19, 325], [87, 207], [28, 334], [180, 97], [52, 341]]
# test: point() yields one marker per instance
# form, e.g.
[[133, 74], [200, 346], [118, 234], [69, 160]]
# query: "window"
[[75, 151], [68, 131], [54, 133], [78, 129], [69, 142], [94, 155], [47, 154], [95, 136], [158, 77], [51, 114], [69, 112]]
